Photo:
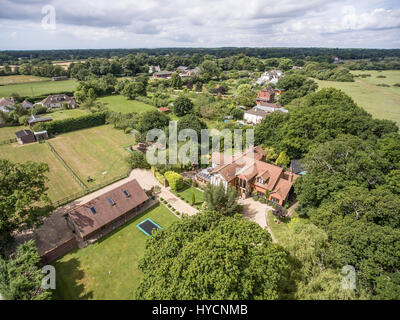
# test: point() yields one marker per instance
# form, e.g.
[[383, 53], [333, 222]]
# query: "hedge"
[[175, 180], [72, 124]]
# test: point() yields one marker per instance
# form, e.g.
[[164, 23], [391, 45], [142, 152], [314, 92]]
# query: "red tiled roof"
[[87, 222], [163, 109]]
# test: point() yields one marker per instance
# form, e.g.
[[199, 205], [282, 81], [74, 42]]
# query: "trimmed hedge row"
[[72, 124]]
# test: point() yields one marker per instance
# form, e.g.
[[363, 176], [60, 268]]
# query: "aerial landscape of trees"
[[348, 200]]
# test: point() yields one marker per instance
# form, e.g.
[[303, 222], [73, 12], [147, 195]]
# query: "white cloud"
[[127, 23]]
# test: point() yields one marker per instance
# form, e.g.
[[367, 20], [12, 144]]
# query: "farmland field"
[[14, 79], [121, 104], [61, 184], [38, 88], [96, 152], [81, 276], [381, 102]]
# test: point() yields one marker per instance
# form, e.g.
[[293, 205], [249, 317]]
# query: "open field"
[[15, 79], [38, 88], [121, 104], [108, 269], [9, 132], [65, 114], [61, 184], [96, 152], [381, 102]]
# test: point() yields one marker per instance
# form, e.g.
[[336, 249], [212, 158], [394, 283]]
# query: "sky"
[[97, 24]]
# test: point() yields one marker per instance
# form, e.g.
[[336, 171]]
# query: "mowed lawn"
[[61, 184], [187, 193], [381, 102], [14, 79], [65, 114], [9, 132], [96, 152], [38, 88], [108, 269], [121, 104]]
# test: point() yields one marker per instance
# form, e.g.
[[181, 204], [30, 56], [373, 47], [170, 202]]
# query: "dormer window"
[[93, 210], [126, 193], [110, 201]]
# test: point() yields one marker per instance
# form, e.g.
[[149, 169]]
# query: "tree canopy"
[[21, 276], [210, 256], [23, 196]]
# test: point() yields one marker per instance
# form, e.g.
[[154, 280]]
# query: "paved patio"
[[256, 211]]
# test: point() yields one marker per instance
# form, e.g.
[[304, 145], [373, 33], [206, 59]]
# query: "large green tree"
[[337, 164], [295, 86], [209, 70], [246, 95], [210, 256], [23, 196], [21, 276], [152, 120], [182, 106], [221, 200]]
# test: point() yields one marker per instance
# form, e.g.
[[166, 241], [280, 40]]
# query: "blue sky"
[[199, 23]]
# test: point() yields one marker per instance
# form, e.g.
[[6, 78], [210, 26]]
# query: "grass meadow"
[[61, 184], [96, 152], [15, 79], [38, 88], [121, 104], [100, 271], [381, 102]]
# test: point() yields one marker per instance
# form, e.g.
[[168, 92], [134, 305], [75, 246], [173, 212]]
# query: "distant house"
[[271, 76], [266, 95], [25, 136], [153, 69], [163, 74], [32, 120], [296, 68], [248, 173], [6, 104], [163, 109], [337, 60], [60, 78], [182, 69], [41, 135], [296, 167], [278, 92], [254, 115], [271, 107], [27, 105], [57, 101], [189, 72], [97, 217]]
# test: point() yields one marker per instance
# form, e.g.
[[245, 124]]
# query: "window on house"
[[93, 210], [110, 201], [126, 193], [273, 199]]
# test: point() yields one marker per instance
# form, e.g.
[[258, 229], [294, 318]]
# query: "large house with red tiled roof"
[[248, 172]]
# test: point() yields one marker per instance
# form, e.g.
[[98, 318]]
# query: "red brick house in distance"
[[266, 95], [248, 172]]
